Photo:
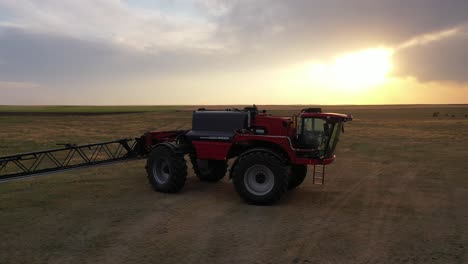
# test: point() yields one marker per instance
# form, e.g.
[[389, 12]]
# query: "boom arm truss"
[[68, 157]]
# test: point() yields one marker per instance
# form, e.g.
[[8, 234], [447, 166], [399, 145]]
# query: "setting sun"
[[356, 71]]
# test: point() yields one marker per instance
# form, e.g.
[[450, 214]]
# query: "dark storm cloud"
[[438, 60], [327, 25], [318, 29]]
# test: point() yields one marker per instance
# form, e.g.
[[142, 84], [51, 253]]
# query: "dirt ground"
[[397, 193]]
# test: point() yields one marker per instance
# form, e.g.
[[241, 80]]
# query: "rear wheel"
[[209, 170], [166, 170], [297, 175], [260, 178]]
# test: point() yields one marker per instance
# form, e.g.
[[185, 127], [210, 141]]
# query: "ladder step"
[[318, 176]]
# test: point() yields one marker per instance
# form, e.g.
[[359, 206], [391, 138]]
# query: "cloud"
[[351, 24], [71, 47], [429, 37], [35, 57], [18, 85], [115, 22], [289, 29], [215, 8], [435, 57], [66, 62]]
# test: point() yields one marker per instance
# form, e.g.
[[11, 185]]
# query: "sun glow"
[[354, 71]]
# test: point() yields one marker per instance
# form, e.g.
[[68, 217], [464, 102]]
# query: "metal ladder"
[[318, 176]]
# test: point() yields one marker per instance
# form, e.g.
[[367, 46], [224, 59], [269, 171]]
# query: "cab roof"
[[344, 117]]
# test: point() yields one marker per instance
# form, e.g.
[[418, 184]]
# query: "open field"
[[397, 193], [83, 110]]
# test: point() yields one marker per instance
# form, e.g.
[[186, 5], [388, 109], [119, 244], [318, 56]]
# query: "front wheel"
[[260, 178], [166, 170]]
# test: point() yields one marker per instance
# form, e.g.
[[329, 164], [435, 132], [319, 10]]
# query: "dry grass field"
[[397, 193]]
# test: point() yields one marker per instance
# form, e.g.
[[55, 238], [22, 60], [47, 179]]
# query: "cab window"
[[312, 134]]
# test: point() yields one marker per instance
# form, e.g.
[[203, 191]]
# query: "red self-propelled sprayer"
[[270, 154]]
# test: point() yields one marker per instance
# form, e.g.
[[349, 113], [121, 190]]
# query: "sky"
[[192, 52]]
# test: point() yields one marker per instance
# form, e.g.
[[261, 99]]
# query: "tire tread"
[[279, 169], [178, 170]]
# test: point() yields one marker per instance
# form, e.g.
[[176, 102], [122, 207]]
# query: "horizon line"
[[110, 105]]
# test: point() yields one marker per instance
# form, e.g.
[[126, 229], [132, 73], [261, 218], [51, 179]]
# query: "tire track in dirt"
[[287, 243], [382, 231], [170, 232], [405, 233], [328, 219]]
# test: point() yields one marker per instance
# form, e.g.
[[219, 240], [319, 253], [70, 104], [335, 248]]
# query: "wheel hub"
[[259, 180], [161, 171]]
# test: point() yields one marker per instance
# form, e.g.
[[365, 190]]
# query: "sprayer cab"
[[319, 132]]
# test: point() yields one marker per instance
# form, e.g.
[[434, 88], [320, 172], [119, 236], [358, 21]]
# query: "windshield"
[[320, 135]]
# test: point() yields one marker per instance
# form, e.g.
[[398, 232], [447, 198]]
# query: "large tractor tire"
[[212, 171], [297, 175], [260, 177], [166, 170]]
